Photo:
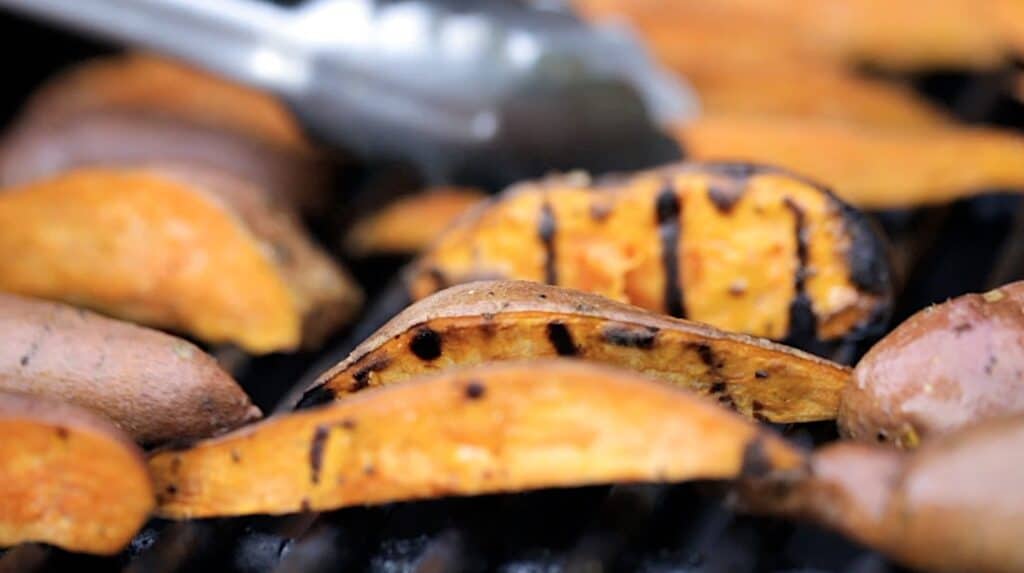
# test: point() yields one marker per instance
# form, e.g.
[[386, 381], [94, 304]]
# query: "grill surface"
[[937, 253]]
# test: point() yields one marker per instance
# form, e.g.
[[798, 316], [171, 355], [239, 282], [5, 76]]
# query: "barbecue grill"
[[939, 252]]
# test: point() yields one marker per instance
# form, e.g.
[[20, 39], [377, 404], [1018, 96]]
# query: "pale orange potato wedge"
[[68, 478], [197, 252], [869, 167], [495, 428], [409, 224]]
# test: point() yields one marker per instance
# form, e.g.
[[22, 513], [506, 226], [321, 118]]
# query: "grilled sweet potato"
[[869, 167], [953, 505], [948, 366], [68, 478], [188, 250], [134, 109], [409, 224], [490, 321], [501, 427], [153, 386], [741, 247]]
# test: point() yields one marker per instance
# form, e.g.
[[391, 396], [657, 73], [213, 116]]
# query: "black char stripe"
[[802, 321], [630, 336], [546, 229], [426, 343], [667, 211], [316, 452], [561, 339], [316, 396]]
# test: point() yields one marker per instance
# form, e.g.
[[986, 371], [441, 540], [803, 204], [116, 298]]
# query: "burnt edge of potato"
[[403, 442], [485, 321], [88, 490], [866, 258]]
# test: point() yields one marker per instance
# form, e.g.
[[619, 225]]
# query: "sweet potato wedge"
[[195, 251], [948, 366], [509, 426], [509, 320], [741, 247], [153, 386], [68, 478], [409, 224], [953, 505], [868, 166], [133, 109]]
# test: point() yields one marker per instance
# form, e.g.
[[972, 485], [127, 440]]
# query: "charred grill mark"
[[561, 339], [361, 378], [667, 210], [475, 390], [725, 193], [546, 229], [316, 396], [599, 211], [802, 321], [866, 255], [718, 387], [757, 411], [760, 374], [316, 452], [630, 336], [756, 463], [426, 344]]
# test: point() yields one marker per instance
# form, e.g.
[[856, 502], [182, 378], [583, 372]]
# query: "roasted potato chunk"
[[490, 321], [68, 478], [194, 251], [946, 367], [133, 109], [952, 505], [869, 167], [744, 248], [501, 427], [153, 386], [409, 224]]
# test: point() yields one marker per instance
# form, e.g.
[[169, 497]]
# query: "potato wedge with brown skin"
[[741, 247], [508, 320], [133, 109], [410, 224], [953, 505], [194, 251], [153, 386], [867, 166], [68, 477], [948, 366], [501, 427]]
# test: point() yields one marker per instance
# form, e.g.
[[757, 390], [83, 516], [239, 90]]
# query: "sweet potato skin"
[[135, 108], [499, 427], [948, 366], [952, 505], [176, 254], [153, 386], [741, 247], [509, 320], [68, 478], [867, 166], [409, 224]]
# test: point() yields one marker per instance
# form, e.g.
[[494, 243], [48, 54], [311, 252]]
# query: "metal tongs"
[[487, 91]]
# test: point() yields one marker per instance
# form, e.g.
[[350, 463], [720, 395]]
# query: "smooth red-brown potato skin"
[[514, 320], [153, 386], [955, 504], [508, 426], [68, 478], [948, 366]]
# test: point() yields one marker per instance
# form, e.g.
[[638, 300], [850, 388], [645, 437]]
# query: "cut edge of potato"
[[496, 428], [515, 320], [69, 478]]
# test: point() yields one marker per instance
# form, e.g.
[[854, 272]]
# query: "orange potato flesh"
[[772, 71], [740, 247], [494, 428], [869, 167], [139, 245], [491, 321], [953, 505], [155, 84], [68, 478], [409, 224]]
